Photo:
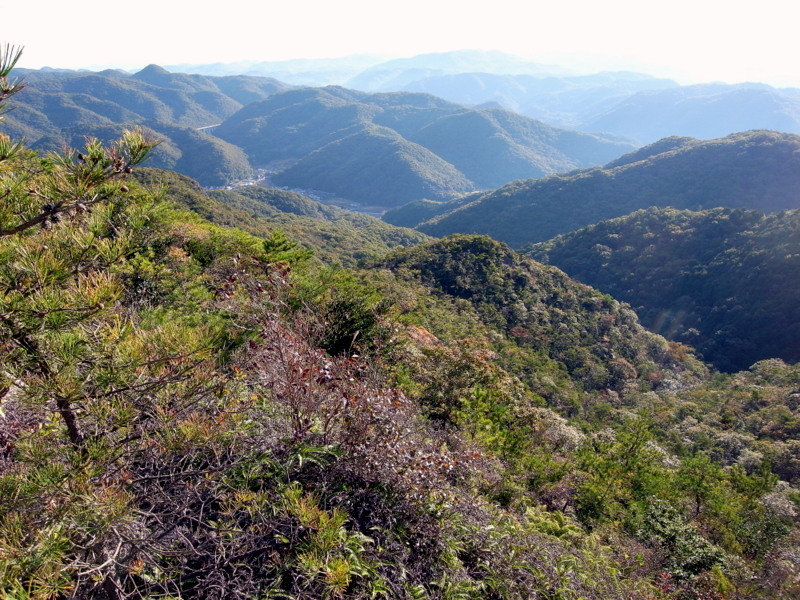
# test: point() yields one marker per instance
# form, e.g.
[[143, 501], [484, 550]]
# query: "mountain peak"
[[151, 71]]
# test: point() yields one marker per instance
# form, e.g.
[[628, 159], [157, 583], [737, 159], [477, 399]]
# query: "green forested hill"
[[757, 169], [456, 417], [333, 234], [570, 331], [152, 93], [377, 167], [721, 280], [208, 159], [343, 139], [63, 107]]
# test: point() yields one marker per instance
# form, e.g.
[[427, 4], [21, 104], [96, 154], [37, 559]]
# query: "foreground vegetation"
[[192, 411]]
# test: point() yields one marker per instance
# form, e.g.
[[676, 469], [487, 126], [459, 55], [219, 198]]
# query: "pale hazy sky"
[[690, 40]]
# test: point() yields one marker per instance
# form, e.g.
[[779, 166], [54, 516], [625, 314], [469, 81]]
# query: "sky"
[[688, 40]]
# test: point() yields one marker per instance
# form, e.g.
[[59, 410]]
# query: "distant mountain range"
[[756, 169], [635, 105], [703, 111], [370, 71], [388, 149], [374, 149], [563, 101]]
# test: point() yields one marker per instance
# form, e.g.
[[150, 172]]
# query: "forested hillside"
[[756, 169], [335, 235], [60, 108], [388, 149], [380, 150], [721, 280]]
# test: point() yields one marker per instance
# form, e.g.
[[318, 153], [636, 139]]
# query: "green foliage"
[[715, 279], [550, 322], [622, 467], [278, 248], [755, 169], [689, 552], [352, 311], [8, 87], [190, 411]]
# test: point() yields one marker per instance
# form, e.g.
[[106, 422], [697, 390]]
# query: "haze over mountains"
[[632, 104]]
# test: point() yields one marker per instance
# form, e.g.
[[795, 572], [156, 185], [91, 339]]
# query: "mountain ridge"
[[718, 279], [757, 169]]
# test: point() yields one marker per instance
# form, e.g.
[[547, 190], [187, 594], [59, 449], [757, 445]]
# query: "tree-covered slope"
[[179, 393], [756, 169], [721, 280], [152, 93], [191, 411], [494, 146], [377, 167], [567, 327], [172, 423], [332, 234], [62, 107], [344, 139]]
